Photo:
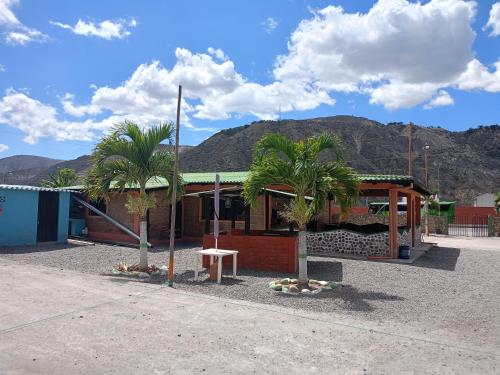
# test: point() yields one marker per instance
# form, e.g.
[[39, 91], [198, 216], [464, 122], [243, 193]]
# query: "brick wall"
[[159, 216], [191, 225], [257, 252], [101, 229]]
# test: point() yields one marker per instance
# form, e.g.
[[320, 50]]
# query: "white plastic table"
[[219, 254]]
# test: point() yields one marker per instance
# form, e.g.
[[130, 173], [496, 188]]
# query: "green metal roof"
[[239, 177], [32, 188], [385, 178]]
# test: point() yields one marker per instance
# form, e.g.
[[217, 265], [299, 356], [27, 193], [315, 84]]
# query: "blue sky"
[[70, 69]]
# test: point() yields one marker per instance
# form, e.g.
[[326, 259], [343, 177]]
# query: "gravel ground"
[[446, 287]]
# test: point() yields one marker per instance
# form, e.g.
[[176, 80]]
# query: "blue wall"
[[19, 216], [62, 225]]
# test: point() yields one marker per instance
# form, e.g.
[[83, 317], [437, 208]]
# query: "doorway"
[[48, 216]]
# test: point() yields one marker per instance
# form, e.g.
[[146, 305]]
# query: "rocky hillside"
[[19, 169], [461, 164], [467, 163]]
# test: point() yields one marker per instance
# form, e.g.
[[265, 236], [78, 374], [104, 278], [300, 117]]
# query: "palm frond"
[[275, 144], [325, 141]]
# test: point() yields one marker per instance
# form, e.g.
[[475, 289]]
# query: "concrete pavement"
[[54, 322]]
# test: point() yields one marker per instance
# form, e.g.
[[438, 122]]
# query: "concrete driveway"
[[63, 322]]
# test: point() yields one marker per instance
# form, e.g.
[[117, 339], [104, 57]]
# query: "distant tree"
[[64, 177], [497, 202], [128, 158], [278, 160]]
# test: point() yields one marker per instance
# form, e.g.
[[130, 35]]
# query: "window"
[[229, 208], [100, 204]]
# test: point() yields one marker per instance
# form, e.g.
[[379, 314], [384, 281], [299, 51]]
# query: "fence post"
[[490, 226]]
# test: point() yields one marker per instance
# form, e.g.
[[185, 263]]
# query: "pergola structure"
[[395, 187], [391, 186]]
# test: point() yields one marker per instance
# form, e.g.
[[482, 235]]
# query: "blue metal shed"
[[31, 215]]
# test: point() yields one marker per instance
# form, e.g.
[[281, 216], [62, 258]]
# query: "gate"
[[469, 226]]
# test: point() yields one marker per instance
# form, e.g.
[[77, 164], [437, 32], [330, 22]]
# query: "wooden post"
[[418, 211], [174, 193], [206, 213], [247, 219], [409, 213], [393, 222], [413, 220], [410, 141], [266, 210], [427, 214]]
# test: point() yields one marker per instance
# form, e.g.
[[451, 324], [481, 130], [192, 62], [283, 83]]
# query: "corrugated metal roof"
[[385, 178], [239, 177], [33, 188]]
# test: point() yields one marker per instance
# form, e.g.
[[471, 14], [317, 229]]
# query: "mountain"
[[461, 164], [19, 169]]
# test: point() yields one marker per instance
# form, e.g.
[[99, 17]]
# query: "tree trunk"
[[303, 278], [143, 244]]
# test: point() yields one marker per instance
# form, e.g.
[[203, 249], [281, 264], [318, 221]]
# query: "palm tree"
[[129, 158], [64, 177], [279, 160]]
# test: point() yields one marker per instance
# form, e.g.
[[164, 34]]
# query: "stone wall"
[[344, 242], [496, 226], [437, 223], [364, 219]]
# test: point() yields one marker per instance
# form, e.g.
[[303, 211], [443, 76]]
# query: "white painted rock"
[[305, 291]]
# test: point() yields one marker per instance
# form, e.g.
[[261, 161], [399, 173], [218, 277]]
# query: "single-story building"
[[485, 200], [31, 215], [270, 235]]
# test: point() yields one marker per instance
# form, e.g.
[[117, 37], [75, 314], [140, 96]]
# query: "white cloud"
[[77, 110], [212, 89], [442, 99], [270, 24], [218, 53], [396, 44], [2, 68], [494, 20], [38, 120], [3, 147], [106, 29], [478, 77], [210, 79], [397, 94], [15, 32]]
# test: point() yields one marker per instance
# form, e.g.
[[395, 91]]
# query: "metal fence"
[[470, 226]]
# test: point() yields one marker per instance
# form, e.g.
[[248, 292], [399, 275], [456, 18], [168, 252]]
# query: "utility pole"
[[174, 194], [410, 139], [426, 149]]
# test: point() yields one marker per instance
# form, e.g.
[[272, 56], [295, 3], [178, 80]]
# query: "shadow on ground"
[[351, 297], [40, 248], [442, 258]]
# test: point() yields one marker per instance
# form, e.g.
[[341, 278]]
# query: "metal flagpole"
[[174, 194]]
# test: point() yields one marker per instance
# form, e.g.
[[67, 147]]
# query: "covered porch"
[[274, 245]]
